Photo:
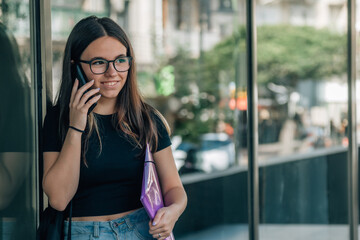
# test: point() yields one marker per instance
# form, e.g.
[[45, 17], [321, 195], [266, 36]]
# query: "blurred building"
[[317, 13]]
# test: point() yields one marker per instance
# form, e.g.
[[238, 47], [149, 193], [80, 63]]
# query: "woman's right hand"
[[79, 104]]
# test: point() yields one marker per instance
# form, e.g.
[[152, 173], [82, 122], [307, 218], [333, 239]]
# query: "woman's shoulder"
[[156, 115], [51, 136], [160, 120]]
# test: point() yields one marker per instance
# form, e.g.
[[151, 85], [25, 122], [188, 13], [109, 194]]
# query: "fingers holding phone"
[[79, 90], [81, 101], [81, 76], [89, 99], [87, 93]]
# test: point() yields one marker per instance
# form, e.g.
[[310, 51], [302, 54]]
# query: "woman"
[[96, 159]]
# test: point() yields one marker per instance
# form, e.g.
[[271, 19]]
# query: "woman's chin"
[[108, 96]]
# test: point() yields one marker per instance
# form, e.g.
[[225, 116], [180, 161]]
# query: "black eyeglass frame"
[[108, 63]]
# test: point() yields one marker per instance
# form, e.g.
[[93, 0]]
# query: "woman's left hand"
[[163, 223]]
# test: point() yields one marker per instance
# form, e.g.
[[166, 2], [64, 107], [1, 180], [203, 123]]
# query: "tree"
[[286, 54]]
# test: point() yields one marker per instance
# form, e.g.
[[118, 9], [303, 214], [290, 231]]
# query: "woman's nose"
[[111, 70]]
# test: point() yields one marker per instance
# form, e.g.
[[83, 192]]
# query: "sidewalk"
[[273, 232]]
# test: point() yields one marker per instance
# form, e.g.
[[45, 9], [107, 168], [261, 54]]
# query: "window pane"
[[302, 82], [198, 81], [357, 29], [17, 139]]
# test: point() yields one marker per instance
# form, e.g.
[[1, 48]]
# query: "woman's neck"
[[105, 106]]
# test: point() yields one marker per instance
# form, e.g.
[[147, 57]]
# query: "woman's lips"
[[110, 84]]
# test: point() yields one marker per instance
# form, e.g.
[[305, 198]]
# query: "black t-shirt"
[[111, 183]]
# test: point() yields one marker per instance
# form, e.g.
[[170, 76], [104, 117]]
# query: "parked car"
[[216, 152], [180, 150]]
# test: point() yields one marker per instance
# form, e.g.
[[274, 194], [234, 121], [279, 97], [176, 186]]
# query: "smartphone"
[[80, 75]]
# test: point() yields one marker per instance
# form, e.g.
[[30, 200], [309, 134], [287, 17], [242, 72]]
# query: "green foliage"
[[164, 81], [185, 71], [285, 54]]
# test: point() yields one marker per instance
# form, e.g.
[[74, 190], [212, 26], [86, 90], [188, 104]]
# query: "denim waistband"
[[133, 223], [129, 219]]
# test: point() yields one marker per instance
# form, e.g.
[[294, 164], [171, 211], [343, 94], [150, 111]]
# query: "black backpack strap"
[[70, 215]]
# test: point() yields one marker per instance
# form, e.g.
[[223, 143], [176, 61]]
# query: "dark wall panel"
[[311, 190]]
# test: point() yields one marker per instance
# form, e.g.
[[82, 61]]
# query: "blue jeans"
[[133, 226]]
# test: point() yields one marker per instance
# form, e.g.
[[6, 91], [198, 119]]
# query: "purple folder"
[[151, 196]]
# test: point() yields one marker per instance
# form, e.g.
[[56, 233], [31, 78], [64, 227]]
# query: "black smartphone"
[[80, 75]]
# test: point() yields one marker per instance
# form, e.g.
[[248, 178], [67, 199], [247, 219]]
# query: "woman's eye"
[[120, 60], [98, 62]]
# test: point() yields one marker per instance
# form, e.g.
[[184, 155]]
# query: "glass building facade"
[[198, 66]]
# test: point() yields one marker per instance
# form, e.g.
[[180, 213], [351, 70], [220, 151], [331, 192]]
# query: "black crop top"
[[112, 181]]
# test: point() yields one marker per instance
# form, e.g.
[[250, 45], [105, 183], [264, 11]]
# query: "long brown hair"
[[134, 117]]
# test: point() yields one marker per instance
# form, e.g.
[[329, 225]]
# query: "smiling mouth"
[[110, 83]]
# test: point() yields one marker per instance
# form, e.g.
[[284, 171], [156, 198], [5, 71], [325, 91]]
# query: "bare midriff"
[[104, 218]]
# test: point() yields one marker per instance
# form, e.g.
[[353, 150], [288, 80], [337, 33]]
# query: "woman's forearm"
[[176, 198], [61, 180]]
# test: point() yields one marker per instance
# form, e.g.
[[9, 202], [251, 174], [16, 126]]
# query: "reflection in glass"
[[16, 214], [199, 81], [302, 87], [302, 98]]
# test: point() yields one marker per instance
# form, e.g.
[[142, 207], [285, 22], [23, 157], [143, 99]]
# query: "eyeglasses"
[[100, 65]]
